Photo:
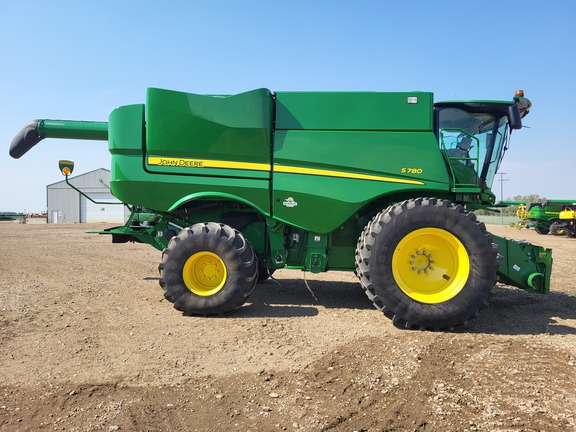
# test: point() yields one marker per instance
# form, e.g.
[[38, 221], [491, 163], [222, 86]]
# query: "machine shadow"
[[511, 311], [291, 298], [516, 312]]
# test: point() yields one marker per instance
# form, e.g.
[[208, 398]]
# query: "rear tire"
[[208, 269], [557, 229], [541, 230], [427, 264]]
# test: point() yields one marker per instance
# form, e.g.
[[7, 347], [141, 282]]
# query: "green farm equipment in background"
[[543, 216], [566, 223], [231, 188]]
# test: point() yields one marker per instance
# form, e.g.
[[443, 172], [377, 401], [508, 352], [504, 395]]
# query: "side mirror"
[[514, 117], [66, 167]]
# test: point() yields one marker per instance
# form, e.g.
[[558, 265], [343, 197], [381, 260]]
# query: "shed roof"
[[78, 176]]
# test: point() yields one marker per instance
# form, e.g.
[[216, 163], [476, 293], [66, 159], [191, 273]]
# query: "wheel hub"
[[422, 262], [208, 271], [430, 265], [204, 273]]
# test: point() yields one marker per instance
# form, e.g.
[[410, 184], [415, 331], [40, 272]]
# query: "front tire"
[[208, 269], [542, 230], [427, 264], [557, 229]]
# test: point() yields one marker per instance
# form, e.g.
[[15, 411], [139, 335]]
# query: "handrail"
[[87, 197]]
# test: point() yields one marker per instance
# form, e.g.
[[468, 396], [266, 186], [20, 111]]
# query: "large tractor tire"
[[557, 229], [541, 229], [208, 269], [427, 264]]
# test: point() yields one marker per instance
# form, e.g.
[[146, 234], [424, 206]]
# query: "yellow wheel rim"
[[430, 265], [204, 273]]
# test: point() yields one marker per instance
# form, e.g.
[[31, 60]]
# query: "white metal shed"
[[65, 205]]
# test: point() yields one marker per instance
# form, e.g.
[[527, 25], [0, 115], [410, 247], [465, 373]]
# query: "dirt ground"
[[88, 344]]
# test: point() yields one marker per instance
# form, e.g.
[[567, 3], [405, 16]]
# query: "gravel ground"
[[89, 344]]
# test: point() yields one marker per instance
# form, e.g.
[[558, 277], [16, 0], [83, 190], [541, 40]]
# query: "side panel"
[[209, 135], [133, 183], [322, 177], [354, 111]]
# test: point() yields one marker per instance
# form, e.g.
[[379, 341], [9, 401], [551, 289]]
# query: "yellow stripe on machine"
[[205, 163], [341, 174]]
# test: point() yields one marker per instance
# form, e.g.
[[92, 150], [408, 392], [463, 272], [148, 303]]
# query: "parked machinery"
[[231, 188], [566, 224], [543, 216]]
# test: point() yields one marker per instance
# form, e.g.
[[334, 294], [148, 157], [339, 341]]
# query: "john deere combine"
[[231, 188], [544, 216]]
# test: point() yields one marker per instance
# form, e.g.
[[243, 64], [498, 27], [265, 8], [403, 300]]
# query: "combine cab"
[[231, 188]]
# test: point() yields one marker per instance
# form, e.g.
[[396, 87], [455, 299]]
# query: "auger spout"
[[37, 130]]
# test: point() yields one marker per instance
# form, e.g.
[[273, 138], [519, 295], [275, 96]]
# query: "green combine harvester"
[[232, 188], [543, 216]]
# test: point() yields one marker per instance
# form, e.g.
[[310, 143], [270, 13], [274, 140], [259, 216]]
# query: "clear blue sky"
[[80, 60]]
